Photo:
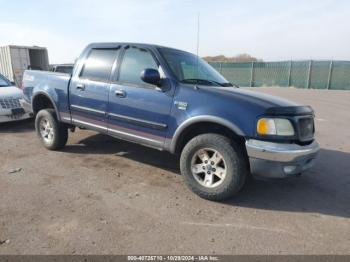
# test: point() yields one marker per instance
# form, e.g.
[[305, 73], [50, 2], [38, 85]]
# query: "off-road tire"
[[235, 160], [60, 130]]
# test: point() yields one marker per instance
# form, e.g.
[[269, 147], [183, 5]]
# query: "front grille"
[[306, 128], [9, 103]]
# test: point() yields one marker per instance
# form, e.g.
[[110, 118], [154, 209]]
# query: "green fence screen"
[[301, 74]]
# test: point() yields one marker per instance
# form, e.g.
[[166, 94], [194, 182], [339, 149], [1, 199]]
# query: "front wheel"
[[51, 132], [214, 167]]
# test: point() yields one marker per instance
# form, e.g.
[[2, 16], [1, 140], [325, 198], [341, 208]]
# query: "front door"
[[90, 90], [138, 111]]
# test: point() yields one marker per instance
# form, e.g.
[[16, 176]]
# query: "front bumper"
[[277, 160], [7, 115]]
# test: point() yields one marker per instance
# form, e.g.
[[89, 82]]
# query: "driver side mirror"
[[151, 76]]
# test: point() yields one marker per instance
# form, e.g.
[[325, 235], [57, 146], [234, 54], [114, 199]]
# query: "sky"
[[270, 30]]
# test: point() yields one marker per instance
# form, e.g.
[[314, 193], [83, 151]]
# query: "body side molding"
[[87, 109], [138, 121]]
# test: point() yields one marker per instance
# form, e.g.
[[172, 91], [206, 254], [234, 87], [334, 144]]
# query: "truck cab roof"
[[116, 44]]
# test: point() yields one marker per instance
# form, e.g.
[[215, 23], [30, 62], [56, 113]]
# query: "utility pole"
[[252, 75], [330, 75], [309, 75], [290, 73]]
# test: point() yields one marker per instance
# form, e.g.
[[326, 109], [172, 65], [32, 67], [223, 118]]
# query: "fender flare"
[[51, 100], [197, 119]]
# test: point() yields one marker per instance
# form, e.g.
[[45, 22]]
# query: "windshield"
[[190, 69], [4, 82]]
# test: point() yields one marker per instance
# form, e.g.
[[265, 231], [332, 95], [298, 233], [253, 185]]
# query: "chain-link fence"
[[301, 74]]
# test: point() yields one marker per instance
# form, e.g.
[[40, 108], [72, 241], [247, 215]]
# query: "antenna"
[[197, 46], [198, 34]]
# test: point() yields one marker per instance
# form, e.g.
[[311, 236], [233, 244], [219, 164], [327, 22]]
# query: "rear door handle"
[[80, 87], [120, 93]]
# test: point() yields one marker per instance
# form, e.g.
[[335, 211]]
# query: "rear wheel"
[[52, 133], [214, 167]]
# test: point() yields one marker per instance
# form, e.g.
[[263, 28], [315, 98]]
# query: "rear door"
[[138, 111], [90, 90]]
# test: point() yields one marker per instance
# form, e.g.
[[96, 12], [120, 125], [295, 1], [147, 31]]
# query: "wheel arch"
[[203, 124], [42, 100]]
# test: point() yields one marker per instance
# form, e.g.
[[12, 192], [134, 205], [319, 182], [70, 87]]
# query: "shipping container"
[[15, 59]]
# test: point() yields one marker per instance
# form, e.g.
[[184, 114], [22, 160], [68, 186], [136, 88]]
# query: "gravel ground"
[[104, 196]]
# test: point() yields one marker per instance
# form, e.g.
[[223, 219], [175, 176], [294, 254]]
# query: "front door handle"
[[120, 93], [80, 87]]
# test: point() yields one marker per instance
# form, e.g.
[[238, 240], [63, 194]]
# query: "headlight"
[[275, 126]]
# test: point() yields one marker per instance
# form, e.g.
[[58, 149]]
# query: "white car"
[[11, 102]]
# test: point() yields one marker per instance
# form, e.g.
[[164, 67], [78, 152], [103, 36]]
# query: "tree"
[[234, 59]]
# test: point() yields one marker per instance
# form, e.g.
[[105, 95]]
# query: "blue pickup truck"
[[172, 100]]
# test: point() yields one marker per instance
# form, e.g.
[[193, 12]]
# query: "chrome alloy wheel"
[[46, 131], [208, 167]]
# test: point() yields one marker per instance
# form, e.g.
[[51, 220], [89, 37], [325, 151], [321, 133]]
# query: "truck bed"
[[53, 85]]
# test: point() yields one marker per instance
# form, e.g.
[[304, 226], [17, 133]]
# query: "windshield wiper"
[[228, 84], [203, 81]]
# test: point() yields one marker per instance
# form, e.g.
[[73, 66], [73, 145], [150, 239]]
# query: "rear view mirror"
[[151, 76]]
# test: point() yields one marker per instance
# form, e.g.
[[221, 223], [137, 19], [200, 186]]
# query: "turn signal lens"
[[266, 126]]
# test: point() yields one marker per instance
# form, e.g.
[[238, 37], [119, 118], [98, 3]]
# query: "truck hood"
[[263, 100], [10, 91]]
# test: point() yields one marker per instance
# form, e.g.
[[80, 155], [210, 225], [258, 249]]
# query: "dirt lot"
[[102, 196]]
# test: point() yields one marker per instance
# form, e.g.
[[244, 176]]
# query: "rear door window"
[[98, 65]]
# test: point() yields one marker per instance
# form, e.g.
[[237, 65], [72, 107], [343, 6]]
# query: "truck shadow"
[[103, 144], [20, 126], [323, 190]]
